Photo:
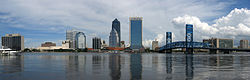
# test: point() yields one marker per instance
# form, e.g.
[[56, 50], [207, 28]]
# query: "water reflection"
[[72, 68], [189, 67], [115, 66], [125, 66], [169, 66], [135, 67], [11, 64]]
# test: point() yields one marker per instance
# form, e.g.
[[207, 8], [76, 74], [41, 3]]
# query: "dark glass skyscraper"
[[116, 26], [96, 43], [135, 32]]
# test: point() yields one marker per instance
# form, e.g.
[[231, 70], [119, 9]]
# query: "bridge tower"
[[168, 41], [189, 38]]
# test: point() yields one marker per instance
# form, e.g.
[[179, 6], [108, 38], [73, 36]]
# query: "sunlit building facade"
[[219, 43], [70, 35], [155, 45], [13, 41], [80, 40], [244, 44]]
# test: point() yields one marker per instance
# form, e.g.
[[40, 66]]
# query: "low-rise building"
[[154, 45], [244, 44], [48, 44], [65, 45], [219, 42]]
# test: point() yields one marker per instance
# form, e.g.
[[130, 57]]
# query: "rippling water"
[[108, 66]]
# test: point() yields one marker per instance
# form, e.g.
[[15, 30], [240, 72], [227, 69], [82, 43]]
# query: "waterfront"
[[108, 66]]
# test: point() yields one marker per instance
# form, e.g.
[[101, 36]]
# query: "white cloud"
[[234, 25], [160, 38]]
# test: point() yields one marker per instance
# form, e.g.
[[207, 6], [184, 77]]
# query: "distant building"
[[13, 41], [77, 39], [154, 45], [244, 44], [48, 44], [219, 43], [123, 44], [104, 45], [114, 39], [116, 26], [66, 44], [71, 36], [96, 43], [80, 40], [135, 32]]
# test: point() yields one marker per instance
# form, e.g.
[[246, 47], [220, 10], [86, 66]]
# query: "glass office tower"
[[116, 26], [80, 40], [135, 32]]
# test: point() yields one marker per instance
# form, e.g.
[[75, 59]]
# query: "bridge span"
[[198, 45]]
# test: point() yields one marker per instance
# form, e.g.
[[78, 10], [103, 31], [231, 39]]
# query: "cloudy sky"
[[47, 20]]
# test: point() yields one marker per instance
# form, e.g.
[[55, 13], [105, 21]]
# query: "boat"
[[9, 52]]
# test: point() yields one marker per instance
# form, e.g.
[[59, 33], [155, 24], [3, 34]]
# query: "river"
[[125, 66]]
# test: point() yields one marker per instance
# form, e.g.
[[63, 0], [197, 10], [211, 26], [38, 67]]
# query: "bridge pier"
[[189, 51], [166, 51], [213, 51], [216, 51], [226, 52], [169, 51]]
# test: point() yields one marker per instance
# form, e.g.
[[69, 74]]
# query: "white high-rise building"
[[70, 35], [80, 40], [114, 39]]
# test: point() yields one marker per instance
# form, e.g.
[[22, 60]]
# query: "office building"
[[135, 32], [96, 43], [155, 45], [70, 35], [114, 39], [244, 44], [80, 40], [48, 44], [13, 41], [219, 43], [66, 44], [116, 26]]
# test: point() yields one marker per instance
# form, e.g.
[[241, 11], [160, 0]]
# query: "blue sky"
[[47, 20]]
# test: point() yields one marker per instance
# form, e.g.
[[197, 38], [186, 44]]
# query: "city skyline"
[[47, 24]]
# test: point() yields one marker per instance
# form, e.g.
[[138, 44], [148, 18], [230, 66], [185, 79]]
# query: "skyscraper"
[[135, 32], [74, 37], [116, 26], [96, 43], [80, 40], [114, 39], [13, 41], [70, 35]]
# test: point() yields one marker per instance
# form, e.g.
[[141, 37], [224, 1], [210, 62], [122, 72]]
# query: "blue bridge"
[[190, 45], [183, 44], [198, 45]]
